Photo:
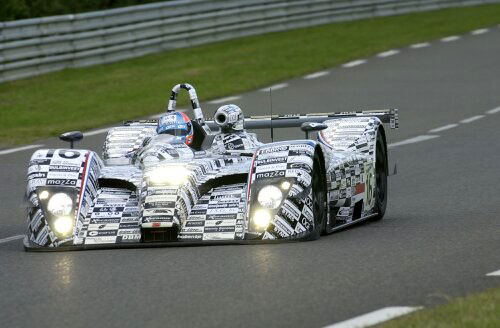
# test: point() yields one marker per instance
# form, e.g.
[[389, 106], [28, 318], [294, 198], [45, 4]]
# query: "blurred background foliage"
[[20, 9]]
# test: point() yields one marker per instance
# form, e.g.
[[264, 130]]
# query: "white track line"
[[316, 75], [275, 87], [223, 100], [493, 111], [442, 128], [13, 150], [375, 317], [420, 45], [411, 140], [6, 240], [472, 119], [450, 38], [94, 132], [480, 31], [354, 63], [496, 273], [388, 53]]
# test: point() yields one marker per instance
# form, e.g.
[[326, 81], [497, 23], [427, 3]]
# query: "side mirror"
[[312, 126], [71, 137]]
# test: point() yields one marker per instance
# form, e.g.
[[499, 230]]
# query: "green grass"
[[87, 98], [479, 310]]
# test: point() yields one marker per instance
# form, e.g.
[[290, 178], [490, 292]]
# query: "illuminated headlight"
[[44, 195], [270, 197], [60, 204], [173, 175], [262, 218], [63, 225]]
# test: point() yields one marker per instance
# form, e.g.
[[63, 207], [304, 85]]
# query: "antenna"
[[271, 105]]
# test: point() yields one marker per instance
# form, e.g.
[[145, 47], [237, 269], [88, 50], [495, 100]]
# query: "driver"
[[176, 124], [233, 135]]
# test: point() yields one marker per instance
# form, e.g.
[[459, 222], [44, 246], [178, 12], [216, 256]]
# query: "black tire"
[[381, 172], [318, 199]]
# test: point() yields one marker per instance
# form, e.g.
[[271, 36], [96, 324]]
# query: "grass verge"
[[90, 97], [477, 310]]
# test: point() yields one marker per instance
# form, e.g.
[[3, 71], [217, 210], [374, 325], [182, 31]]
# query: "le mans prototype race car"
[[177, 181]]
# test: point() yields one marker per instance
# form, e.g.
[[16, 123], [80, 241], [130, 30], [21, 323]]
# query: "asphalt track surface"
[[439, 238]]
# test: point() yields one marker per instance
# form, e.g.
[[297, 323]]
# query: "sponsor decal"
[[289, 208], [223, 205], [129, 231], [272, 174], [61, 182], [40, 161], [218, 236], [222, 210], [272, 167], [193, 230], [283, 226], [344, 211], [108, 209], [159, 205], [131, 237], [219, 229], [100, 240], [62, 175], [198, 211], [105, 215], [129, 220], [300, 166], [36, 221], [64, 168], [160, 218], [191, 236], [273, 150], [222, 217], [37, 175], [195, 223], [161, 198]]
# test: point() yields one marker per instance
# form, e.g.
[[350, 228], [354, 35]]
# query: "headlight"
[[174, 175], [270, 197], [44, 195], [63, 225], [261, 218], [60, 204]]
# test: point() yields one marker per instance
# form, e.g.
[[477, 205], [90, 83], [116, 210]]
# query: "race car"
[[182, 181]]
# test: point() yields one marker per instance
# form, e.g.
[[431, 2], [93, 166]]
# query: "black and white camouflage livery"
[[324, 183]]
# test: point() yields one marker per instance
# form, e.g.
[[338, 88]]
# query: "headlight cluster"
[[172, 175], [60, 209], [269, 198]]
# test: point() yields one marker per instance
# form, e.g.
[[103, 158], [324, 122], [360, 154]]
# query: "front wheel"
[[318, 199], [381, 172]]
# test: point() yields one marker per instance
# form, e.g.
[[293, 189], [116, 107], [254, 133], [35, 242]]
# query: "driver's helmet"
[[176, 124]]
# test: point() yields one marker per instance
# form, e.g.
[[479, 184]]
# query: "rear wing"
[[390, 116]]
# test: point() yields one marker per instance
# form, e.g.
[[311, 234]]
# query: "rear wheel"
[[318, 199], [381, 172]]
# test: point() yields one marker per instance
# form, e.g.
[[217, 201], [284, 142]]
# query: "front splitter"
[[31, 247]]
